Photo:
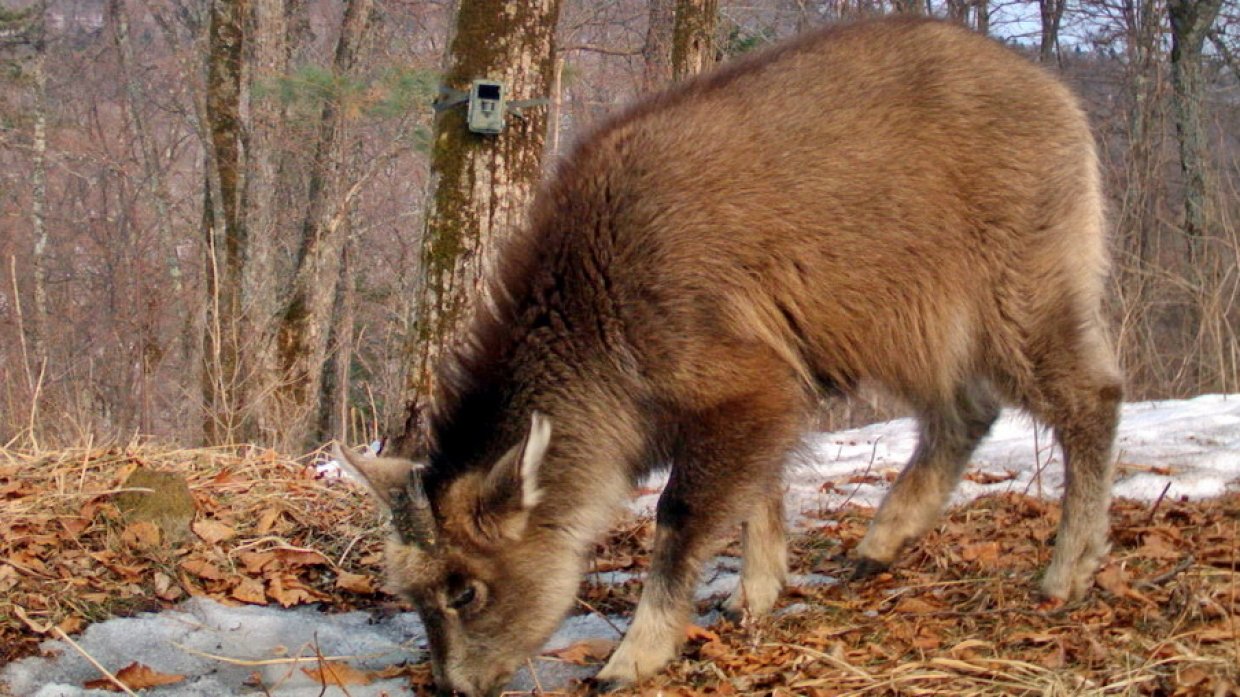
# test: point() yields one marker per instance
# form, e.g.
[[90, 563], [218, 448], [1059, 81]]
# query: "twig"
[[271, 661], [606, 619], [1162, 578], [837, 662], [1154, 508], [325, 670], [60, 634], [865, 473], [538, 688]]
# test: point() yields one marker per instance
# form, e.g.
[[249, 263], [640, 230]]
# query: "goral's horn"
[[411, 514]]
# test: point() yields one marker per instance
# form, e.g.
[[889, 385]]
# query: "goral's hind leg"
[[764, 559], [949, 434], [729, 457], [1083, 391]]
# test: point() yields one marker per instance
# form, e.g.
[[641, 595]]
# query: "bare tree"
[[1191, 21], [1051, 12], [482, 184], [305, 326]]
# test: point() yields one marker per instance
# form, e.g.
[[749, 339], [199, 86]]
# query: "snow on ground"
[[1173, 448]]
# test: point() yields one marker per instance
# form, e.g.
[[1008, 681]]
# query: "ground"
[[958, 614]]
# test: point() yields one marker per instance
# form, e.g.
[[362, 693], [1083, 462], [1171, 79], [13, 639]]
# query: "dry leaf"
[[336, 673], [585, 651], [1217, 632], [249, 590], [74, 526], [289, 591], [695, 633], [980, 477], [713, 650], [212, 531], [356, 583], [982, 552], [301, 557], [267, 521], [255, 562], [72, 624], [617, 563], [1158, 546], [136, 676], [911, 605], [141, 535], [203, 569]]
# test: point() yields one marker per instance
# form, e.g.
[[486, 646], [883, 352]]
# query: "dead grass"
[[266, 530], [957, 616]]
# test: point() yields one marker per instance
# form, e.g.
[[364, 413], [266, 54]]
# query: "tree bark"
[[222, 223], [482, 185], [334, 416], [269, 208], [1191, 21], [693, 39], [657, 49], [38, 202]]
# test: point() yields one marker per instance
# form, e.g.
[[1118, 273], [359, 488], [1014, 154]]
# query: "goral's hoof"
[[602, 686], [865, 567]]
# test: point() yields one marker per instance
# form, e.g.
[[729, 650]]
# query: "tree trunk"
[[222, 223], [482, 185], [1052, 15], [1191, 21], [982, 8], [305, 324], [38, 202], [693, 40], [334, 416], [1139, 215], [150, 153], [657, 50], [268, 210], [958, 11]]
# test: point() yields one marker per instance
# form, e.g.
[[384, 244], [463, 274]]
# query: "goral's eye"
[[464, 598]]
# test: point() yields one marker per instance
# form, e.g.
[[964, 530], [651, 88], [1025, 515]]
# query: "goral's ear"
[[386, 477], [511, 487]]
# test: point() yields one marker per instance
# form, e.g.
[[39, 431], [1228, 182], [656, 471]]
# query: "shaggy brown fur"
[[899, 202]]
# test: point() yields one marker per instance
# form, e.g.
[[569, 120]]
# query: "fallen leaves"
[[106, 547], [135, 676], [960, 614]]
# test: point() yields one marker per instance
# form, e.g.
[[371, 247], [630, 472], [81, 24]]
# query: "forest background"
[[214, 214]]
